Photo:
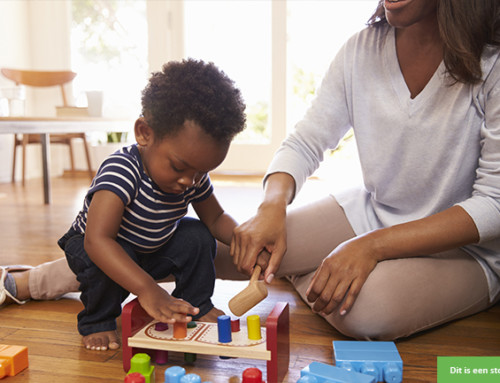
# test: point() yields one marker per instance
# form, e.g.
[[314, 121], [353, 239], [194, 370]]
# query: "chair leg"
[[71, 156], [24, 146], [87, 155], [14, 159]]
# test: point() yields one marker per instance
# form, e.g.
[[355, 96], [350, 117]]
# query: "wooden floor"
[[28, 234]]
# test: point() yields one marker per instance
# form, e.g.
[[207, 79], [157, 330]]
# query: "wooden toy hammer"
[[250, 296]]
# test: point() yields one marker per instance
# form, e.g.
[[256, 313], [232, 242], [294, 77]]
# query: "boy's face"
[[178, 162]]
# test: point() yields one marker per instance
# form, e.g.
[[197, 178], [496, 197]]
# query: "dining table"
[[44, 126]]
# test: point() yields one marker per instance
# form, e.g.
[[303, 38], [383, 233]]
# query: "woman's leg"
[[322, 226], [405, 296], [313, 230], [401, 296], [51, 280]]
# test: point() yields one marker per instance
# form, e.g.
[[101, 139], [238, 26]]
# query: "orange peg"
[[180, 330]]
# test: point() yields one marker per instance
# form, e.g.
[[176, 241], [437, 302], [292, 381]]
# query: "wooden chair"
[[45, 79]]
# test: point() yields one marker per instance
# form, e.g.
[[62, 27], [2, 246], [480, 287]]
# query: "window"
[[109, 53], [316, 30], [236, 37], [246, 39], [276, 51]]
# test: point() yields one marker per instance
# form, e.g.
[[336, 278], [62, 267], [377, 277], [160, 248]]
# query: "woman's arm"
[[340, 277], [267, 229]]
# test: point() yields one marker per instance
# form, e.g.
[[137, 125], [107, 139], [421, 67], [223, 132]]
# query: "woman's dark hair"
[[196, 91], [465, 26]]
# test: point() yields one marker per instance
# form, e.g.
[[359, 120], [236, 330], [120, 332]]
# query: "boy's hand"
[[160, 305]]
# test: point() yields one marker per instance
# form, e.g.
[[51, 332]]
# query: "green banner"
[[468, 369]]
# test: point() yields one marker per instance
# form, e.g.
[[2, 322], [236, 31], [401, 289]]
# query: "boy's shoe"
[[6, 295]]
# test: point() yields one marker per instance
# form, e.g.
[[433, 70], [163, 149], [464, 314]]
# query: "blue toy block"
[[378, 359], [318, 372], [307, 379], [174, 374], [191, 378]]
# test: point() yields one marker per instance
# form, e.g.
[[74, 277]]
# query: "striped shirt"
[[151, 215]]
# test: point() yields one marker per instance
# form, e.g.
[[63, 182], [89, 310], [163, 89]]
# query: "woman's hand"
[[338, 281], [265, 231]]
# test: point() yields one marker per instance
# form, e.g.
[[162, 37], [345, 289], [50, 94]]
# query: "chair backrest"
[[40, 78]]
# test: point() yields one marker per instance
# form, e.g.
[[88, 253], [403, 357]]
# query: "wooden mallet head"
[[255, 292]]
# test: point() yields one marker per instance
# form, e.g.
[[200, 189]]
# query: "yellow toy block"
[[13, 359]]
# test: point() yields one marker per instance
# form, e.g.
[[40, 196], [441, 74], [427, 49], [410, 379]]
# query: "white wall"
[[39, 38], [32, 40], [13, 27], [13, 52], [165, 23], [49, 46]]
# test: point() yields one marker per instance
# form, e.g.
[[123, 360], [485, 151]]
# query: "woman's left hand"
[[338, 281]]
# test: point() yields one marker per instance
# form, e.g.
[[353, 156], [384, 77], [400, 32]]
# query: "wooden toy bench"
[[138, 336]]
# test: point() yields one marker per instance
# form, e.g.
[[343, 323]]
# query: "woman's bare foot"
[[211, 316], [101, 341]]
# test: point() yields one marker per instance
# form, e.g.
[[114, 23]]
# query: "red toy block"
[[252, 375], [135, 377], [13, 359]]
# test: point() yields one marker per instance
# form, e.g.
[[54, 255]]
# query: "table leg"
[[45, 140]]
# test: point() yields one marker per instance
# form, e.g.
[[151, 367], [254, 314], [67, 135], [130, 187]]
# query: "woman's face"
[[405, 13]]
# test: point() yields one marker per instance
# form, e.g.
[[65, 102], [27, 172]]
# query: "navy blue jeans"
[[188, 256]]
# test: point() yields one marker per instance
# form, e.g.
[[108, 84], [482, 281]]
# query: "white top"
[[418, 156]]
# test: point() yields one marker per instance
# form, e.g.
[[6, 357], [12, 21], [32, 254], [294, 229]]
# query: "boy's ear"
[[143, 132]]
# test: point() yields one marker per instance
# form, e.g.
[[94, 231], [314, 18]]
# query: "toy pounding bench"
[[139, 335]]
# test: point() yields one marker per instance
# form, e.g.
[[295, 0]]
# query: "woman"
[[419, 244]]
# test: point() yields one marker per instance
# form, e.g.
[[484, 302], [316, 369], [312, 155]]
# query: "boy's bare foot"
[[101, 341], [211, 316]]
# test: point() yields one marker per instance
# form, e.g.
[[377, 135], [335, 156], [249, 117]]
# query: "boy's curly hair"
[[197, 91]]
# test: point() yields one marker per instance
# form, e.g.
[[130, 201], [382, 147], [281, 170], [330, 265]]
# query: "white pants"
[[400, 297]]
